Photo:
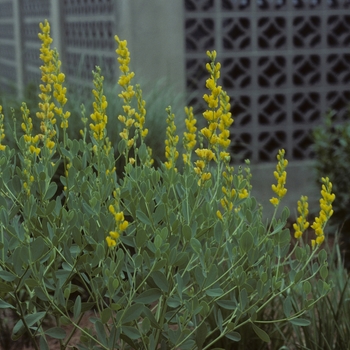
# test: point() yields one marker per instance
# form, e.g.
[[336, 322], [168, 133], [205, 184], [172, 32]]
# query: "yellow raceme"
[[281, 176], [302, 224], [2, 130], [327, 198]]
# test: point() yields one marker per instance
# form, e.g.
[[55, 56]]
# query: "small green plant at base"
[[165, 259], [331, 145]]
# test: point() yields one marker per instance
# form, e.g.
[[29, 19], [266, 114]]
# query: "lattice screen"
[[85, 32], [284, 63], [89, 28], [7, 52], [33, 12]]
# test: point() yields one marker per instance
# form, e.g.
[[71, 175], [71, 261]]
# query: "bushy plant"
[[332, 150], [329, 326], [164, 258]]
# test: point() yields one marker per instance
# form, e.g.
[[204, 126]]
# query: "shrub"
[[164, 258], [332, 149]]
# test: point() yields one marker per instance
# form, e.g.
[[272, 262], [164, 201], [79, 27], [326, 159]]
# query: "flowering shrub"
[[331, 145], [170, 259]]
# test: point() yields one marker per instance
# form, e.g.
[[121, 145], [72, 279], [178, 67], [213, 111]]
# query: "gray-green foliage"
[[178, 277], [332, 149]]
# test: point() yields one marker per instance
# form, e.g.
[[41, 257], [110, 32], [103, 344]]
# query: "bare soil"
[[24, 343]]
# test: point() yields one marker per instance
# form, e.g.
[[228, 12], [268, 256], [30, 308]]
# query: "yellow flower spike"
[[219, 119], [325, 213], [281, 177], [302, 224], [119, 223], [171, 141], [189, 137], [48, 77], [2, 130], [131, 117], [31, 149], [99, 116], [140, 116]]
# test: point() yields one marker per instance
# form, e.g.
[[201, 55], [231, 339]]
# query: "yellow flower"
[[48, 69], [111, 242], [2, 130], [171, 141], [243, 193], [302, 224], [99, 116], [59, 92], [120, 223], [219, 215], [127, 95], [189, 137], [325, 213], [281, 177]]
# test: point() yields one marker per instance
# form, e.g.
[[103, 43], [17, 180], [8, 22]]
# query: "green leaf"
[[201, 334], [149, 296], [43, 343], [324, 272], [141, 238], [29, 320], [219, 320], [243, 299], [234, 336], [7, 276], [307, 287], [132, 313], [106, 314], [285, 214], [50, 207], [5, 305], [159, 214], [51, 191], [143, 153], [147, 312], [143, 217], [4, 218], [131, 332], [77, 307], [298, 276], [101, 333], [196, 245], [187, 232], [160, 280], [146, 325], [246, 242], [302, 322], [227, 304], [37, 248], [56, 333], [287, 306], [214, 292], [261, 333], [322, 256]]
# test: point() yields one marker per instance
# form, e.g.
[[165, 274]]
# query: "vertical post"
[[55, 23], [17, 28]]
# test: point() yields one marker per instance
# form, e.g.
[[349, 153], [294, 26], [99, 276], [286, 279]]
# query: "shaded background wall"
[[284, 63]]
